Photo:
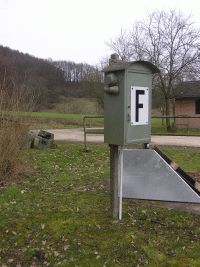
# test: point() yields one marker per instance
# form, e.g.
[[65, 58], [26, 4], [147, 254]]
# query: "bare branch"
[[167, 39]]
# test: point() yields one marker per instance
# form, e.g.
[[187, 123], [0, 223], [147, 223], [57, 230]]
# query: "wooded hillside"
[[82, 80], [18, 70], [50, 81]]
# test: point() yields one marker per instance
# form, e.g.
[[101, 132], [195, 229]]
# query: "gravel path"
[[76, 135]]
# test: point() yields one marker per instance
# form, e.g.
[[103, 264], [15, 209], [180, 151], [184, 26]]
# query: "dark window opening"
[[197, 106]]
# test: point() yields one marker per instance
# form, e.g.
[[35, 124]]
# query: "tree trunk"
[[162, 109], [174, 112], [167, 113]]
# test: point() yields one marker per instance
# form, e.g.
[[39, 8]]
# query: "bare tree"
[[168, 40], [122, 45]]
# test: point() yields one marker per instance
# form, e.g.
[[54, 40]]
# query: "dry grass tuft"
[[12, 136], [12, 128]]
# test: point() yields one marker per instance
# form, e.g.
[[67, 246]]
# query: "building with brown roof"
[[187, 104]]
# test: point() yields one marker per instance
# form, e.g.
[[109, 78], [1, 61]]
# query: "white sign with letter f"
[[139, 105]]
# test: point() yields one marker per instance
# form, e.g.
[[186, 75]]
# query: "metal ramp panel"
[[147, 174]]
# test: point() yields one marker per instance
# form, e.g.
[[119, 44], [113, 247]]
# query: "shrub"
[[12, 135], [13, 129]]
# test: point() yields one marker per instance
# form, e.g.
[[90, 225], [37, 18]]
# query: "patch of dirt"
[[27, 170], [17, 175]]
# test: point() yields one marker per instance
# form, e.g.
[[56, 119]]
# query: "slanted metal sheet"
[[146, 175]]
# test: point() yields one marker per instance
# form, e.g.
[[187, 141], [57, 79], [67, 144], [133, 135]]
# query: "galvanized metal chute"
[[147, 174]]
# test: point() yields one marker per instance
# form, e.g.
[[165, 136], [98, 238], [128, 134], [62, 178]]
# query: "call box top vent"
[[119, 65]]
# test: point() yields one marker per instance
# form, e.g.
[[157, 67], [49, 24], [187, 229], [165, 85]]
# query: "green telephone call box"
[[127, 102]]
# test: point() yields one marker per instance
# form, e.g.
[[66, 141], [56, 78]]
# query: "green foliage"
[[61, 217]]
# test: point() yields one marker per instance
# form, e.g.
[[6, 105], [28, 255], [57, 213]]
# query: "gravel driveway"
[[76, 135]]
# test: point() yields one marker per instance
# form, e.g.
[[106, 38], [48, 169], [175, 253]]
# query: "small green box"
[[127, 102]]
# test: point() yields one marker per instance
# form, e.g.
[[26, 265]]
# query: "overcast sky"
[[76, 30]]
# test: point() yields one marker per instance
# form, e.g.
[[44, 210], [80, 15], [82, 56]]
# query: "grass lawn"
[[158, 128], [51, 115], [60, 217], [56, 120], [76, 120], [49, 120]]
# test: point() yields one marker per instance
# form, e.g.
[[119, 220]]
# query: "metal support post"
[[84, 130], [114, 172], [146, 145], [120, 181]]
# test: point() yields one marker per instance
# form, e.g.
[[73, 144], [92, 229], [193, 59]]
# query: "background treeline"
[[54, 84], [20, 71], [82, 80], [49, 81]]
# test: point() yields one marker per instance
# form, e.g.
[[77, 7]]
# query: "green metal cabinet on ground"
[[127, 102]]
